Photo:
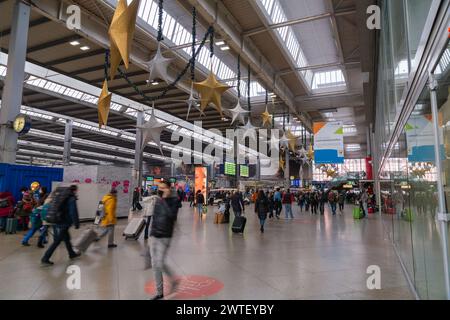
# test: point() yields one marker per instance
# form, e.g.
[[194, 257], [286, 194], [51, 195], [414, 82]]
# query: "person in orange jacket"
[[109, 218]]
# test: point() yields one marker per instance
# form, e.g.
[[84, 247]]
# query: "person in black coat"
[[164, 218], [237, 203], [261, 208]]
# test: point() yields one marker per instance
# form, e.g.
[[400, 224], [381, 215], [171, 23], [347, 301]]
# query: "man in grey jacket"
[[164, 218]]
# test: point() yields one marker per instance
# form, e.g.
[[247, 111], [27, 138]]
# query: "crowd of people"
[[271, 203]]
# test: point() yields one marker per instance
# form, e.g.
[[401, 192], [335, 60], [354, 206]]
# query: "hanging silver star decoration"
[[151, 131], [237, 113], [249, 129], [192, 101], [158, 66], [302, 152], [284, 140]]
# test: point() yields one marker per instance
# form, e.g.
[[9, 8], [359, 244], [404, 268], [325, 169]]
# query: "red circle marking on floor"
[[191, 286]]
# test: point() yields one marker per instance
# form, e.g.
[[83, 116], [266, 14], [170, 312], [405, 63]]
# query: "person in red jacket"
[[287, 200], [6, 208]]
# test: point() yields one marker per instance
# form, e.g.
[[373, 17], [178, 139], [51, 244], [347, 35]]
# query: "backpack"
[[58, 205], [331, 196]]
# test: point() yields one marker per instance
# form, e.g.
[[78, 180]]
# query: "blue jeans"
[[29, 234], [288, 211], [199, 209], [333, 207], [32, 231]]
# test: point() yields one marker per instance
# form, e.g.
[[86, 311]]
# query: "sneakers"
[[46, 263], [157, 297], [175, 285], [112, 246], [25, 244], [74, 256], [40, 245]]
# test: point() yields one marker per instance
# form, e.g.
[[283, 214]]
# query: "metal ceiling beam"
[[53, 43], [32, 24], [294, 22], [71, 58]]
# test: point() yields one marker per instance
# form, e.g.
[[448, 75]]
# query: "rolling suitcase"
[[83, 242], [11, 225], [134, 228], [239, 224]]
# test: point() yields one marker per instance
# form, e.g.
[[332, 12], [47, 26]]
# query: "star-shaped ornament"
[[237, 113], [210, 91], [249, 130], [266, 118], [151, 131], [158, 67], [104, 102], [121, 33], [302, 152], [292, 140], [192, 101]]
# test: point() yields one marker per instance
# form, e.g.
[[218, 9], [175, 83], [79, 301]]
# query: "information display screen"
[[244, 171], [230, 168]]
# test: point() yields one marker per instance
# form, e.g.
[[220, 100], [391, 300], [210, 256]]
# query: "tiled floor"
[[310, 257]]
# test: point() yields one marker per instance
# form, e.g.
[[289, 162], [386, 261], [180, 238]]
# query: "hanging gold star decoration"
[[104, 101], [310, 153], [266, 118], [282, 163], [292, 140], [210, 91], [121, 33]]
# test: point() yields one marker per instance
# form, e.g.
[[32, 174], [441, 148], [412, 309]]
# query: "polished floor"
[[310, 257]]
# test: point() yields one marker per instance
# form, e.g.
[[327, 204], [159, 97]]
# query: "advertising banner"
[[201, 180], [328, 142], [420, 138]]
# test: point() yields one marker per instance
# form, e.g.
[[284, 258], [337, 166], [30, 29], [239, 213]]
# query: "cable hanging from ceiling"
[[194, 36], [248, 90], [239, 76], [160, 20]]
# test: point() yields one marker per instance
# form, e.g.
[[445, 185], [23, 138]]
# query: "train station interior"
[[224, 149]]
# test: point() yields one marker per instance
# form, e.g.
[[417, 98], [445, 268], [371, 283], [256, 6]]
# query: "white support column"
[[12, 92], [67, 142], [137, 167]]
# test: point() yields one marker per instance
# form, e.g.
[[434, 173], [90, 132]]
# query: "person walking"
[[277, 201], [288, 198], [307, 201], [199, 200], [314, 201], [68, 218], [271, 204], [136, 198], [191, 199], [237, 203], [109, 219], [301, 201], [341, 201], [323, 199], [164, 218], [332, 199], [261, 208], [363, 199]]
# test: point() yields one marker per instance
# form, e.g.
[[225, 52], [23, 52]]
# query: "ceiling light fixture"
[[155, 83], [220, 43], [74, 43], [84, 48], [225, 48]]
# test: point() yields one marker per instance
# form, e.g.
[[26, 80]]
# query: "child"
[[36, 224]]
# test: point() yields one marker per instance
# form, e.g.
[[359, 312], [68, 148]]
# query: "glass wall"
[[409, 176]]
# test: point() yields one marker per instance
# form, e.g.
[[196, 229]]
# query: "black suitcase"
[[239, 224]]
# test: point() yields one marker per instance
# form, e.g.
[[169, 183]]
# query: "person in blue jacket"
[[69, 218]]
